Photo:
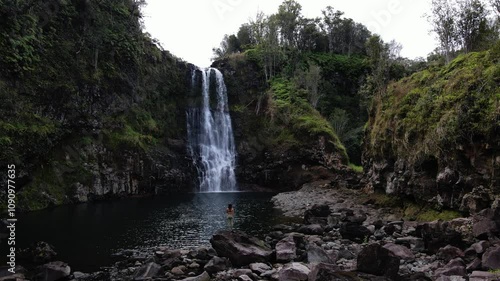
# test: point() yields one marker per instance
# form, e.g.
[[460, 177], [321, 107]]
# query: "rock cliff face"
[[273, 151], [435, 136]]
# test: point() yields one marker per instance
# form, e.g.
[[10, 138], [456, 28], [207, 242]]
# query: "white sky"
[[189, 29]]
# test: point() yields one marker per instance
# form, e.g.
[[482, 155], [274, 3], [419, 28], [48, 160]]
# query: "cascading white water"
[[210, 136]]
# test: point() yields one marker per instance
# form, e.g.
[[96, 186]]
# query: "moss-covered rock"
[[436, 134]]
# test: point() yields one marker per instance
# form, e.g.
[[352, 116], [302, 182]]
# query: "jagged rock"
[[38, 253], [438, 234], [455, 267], [400, 251], [294, 272], [323, 272], [449, 252], [318, 214], [480, 247], [485, 223], [240, 248], [202, 277], [171, 258], [311, 229], [473, 265], [491, 258], [377, 260], [476, 200], [259, 267], [286, 249], [53, 271], [334, 220], [179, 270], [217, 264], [317, 254], [354, 232], [202, 253]]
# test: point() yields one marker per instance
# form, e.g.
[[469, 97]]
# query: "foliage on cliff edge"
[[440, 111]]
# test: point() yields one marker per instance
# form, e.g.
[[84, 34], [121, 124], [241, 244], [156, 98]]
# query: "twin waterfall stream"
[[210, 134]]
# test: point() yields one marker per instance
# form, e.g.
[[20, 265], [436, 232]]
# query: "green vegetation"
[[337, 63], [408, 209], [291, 109], [435, 111], [80, 68]]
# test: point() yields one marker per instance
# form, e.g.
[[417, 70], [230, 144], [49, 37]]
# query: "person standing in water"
[[230, 216]]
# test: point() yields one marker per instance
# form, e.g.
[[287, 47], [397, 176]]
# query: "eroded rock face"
[[469, 189], [240, 248]]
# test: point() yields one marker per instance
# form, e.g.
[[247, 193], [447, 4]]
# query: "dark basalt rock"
[[354, 232], [240, 248], [375, 259]]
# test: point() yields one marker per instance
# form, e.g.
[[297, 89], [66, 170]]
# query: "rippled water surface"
[[85, 235]]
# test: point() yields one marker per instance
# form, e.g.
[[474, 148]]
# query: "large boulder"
[[455, 267], [294, 272], [318, 214], [286, 250], [53, 271], [241, 249], [323, 272], [377, 260], [486, 223], [317, 254], [354, 231], [400, 251], [491, 258], [438, 234], [449, 252], [259, 267]]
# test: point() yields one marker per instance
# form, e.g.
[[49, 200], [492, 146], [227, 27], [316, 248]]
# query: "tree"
[[309, 80], [443, 24], [288, 20], [245, 35], [331, 23], [472, 24]]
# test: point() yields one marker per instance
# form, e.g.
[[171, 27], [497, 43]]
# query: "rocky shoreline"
[[338, 240]]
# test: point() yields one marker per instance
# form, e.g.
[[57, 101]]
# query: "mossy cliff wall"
[[91, 106], [282, 142], [435, 136]]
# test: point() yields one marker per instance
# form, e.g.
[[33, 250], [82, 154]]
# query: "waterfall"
[[210, 134]]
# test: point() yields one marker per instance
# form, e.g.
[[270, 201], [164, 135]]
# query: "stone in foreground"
[[241, 249], [377, 260], [294, 272]]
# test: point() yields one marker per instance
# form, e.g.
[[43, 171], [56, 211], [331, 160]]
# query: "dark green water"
[[85, 235]]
